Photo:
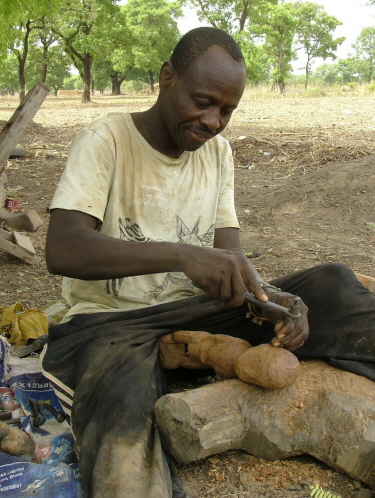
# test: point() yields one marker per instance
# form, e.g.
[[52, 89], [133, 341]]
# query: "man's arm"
[[76, 249]]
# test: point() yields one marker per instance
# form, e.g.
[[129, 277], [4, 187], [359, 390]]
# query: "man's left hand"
[[290, 334]]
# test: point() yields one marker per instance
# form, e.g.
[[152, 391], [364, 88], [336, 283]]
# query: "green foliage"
[[344, 71], [9, 75], [314, 33], [222, 14], [72, 82], [233, 16], [21, 9], [101, 73], [370, 88], [258, 67], [365, 51], [279, 30], [153, 33], [135, 86], [157, 19]]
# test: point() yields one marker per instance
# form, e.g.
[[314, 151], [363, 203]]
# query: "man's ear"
[[167, 75]]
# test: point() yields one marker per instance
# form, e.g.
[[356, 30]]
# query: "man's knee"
[[337, 271]]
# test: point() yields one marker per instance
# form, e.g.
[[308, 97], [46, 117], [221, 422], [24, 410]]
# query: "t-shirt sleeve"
[[86, 180], [226, 212]]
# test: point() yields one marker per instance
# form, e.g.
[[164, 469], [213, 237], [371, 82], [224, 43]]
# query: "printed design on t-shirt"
[[173, 281]]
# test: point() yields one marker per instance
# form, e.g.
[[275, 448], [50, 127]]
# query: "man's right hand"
[[222, 274]]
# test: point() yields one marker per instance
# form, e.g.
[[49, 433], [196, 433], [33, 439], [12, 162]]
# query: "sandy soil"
[[305, 195]]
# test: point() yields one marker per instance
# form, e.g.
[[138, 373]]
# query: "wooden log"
[[13, 130], [327, 413]]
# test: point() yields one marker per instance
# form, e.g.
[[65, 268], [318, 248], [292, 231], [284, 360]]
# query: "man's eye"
[[226, 112], [201, 104]]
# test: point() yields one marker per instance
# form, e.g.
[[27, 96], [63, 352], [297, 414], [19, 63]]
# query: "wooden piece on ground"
[[368, 282], [18, 245], [28, 220], [327, 413], [13, 130]]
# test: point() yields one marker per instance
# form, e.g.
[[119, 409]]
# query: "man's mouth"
[[200, 136]]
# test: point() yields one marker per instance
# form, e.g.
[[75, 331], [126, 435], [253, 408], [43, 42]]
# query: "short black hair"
[[195, 42]]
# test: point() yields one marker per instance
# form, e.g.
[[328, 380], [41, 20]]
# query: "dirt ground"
[[305, 195]]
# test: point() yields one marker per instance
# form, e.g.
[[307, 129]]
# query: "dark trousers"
[[106, 368]]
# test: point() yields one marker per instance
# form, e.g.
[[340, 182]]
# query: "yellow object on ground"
[[18, 326]]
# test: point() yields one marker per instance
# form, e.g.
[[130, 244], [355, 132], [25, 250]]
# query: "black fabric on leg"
[[110, 361]]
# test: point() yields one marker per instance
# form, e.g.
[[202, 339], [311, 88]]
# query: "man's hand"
[[290, 334], [222, 274]]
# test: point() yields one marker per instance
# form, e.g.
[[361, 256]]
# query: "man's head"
[[197, 41], [200, 86]]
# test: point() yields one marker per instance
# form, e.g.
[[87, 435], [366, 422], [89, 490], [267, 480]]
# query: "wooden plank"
[[6, 235], [23, 242], [8, 244], [23, 115]]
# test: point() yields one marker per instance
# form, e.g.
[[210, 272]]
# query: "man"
[[144, 230]]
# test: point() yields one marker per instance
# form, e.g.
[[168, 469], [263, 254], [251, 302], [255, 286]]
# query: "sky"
[[354, 15]]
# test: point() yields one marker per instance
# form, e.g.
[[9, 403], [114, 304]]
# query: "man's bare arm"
[[76, 249]]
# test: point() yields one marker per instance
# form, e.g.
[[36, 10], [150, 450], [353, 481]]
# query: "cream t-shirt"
[[141, 195]]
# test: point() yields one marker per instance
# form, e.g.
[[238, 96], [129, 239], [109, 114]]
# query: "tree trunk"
[[307, 72], [22, 62], [244, 14], [152, 82], [116, 85], [306, 78], [278, 86], [43, 75], [86, 77], [21, 79]]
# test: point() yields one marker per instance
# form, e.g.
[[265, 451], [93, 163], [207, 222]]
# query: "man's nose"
[[211, 119]]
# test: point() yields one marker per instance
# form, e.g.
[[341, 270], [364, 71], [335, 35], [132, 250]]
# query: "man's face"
[[199, 104]]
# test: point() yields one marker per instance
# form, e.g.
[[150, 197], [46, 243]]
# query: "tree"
[[84, 26], [244, 20], [19, 46], [328, 73], [279, 28], [105, 75], [153, 32], [314, 34], [258, 67], [53, 64], [228, 15], [343, 71], [365, 51], [20, 18]]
